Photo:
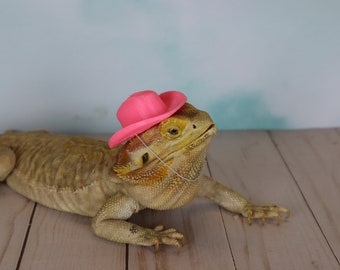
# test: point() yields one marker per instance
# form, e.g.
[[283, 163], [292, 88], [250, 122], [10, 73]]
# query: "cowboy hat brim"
[[173, 100]]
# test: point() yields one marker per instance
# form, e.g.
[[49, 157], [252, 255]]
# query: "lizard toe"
[[264, 212], [170, 237]]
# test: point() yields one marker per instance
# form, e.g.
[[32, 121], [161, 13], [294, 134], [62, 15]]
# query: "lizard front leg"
[[234, 202], [110, 223]]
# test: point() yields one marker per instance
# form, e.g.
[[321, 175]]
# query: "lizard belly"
[[84, 201]]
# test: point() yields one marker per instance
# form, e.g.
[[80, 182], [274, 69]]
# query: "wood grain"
[[15, 215], [60, 240], [313, 156], [250, 164], [296, 169]]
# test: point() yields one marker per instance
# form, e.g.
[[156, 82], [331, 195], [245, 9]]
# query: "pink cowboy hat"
[[144, 109]]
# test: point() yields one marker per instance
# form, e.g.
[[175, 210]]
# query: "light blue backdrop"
[[66, 65]]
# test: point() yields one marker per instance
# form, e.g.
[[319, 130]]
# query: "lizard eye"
[[172, 128], [173, 131], [145, 158]]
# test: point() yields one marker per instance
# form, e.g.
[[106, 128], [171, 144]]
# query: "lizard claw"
[[171, 237], [266, 211]]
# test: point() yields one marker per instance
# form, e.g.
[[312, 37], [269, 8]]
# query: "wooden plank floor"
[[296, 169]]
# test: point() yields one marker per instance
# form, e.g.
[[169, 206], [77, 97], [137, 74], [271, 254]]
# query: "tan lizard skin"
[[160, 169]]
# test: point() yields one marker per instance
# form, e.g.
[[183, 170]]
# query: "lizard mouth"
[[208, 133], [211, 130], [199, 141]]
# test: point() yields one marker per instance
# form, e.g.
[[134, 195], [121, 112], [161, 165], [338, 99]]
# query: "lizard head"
[[167, 158]]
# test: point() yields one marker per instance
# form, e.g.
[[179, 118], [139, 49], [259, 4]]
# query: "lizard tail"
[[7, 162]]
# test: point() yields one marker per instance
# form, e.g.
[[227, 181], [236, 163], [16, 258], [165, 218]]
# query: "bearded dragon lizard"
[[158, 169]]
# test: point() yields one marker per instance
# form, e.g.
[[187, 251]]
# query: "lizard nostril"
[[194, 126]]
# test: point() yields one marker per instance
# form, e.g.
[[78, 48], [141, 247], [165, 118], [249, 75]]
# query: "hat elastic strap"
[[163, 162]]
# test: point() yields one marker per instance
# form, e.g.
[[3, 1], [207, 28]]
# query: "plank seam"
[[224, 225], [126, 256], [26, 237]]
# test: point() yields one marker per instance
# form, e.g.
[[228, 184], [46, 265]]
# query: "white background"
[[67, 65]]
